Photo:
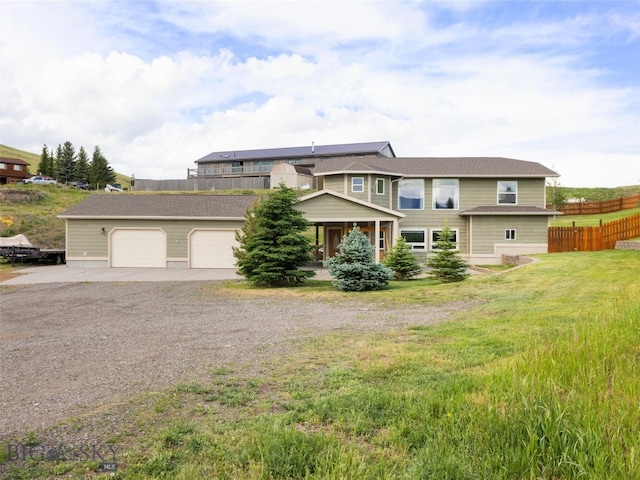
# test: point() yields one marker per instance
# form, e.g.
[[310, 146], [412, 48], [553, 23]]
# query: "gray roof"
[[367, 148], [436, 167], [121, 205], [508, 210]]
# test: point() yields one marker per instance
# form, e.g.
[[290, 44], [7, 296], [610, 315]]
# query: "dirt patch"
[[20, 195]]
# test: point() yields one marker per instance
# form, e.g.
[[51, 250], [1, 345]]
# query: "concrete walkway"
[[64, 274]]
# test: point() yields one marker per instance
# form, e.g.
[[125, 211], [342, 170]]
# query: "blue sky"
[[158, 85]]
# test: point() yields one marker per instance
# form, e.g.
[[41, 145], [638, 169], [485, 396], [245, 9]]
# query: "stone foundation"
[[628, 245]]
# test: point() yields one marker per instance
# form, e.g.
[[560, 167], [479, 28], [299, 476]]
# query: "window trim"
[[432, 242], [507, 192], [510, 234], [354, 185], [416, 245], [456, 199], [380, 181], [423, 191]]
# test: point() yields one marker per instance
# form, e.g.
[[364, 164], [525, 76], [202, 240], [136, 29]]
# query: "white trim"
[[378, 179], [353, 178], [430, 246], [351, 199]]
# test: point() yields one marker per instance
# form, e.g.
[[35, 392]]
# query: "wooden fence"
[[604, 206], [591, 239]]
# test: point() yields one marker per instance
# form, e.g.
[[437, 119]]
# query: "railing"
[[604, 206], [591, 239], [221, 171]]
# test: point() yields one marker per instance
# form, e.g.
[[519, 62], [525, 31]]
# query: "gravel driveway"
[[66, 348]]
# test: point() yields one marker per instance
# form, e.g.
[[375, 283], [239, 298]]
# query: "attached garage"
[[212, 249], [144, 248], [159, 231]]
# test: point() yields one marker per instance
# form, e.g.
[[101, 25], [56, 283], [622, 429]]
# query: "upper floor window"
[[357, 184], [3, 166], [17, 168], [411, 194], [507, 193], [379, 186], [445, 193]]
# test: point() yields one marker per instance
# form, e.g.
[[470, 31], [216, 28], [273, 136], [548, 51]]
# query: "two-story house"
[[13, 170], [494, 206]]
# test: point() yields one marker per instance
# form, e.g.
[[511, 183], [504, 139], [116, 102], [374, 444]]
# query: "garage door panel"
[[142, 248], [212, 249]]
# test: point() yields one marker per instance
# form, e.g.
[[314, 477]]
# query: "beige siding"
[[335, 183], [330, 207], [484, 191], [84, 237], [487, 231]]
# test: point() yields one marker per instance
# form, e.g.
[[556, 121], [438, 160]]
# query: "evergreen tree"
[[401, 261], [446, 265], [82, 166], [45, 166], [354, 265], [57, 159], [100, 172], [66, 163], [272, 245]]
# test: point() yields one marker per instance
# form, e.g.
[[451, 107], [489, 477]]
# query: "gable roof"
[[349, 199], [168, 206], [436, 167], [367, 148], [13, 161]]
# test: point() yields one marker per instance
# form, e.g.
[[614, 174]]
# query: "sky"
[[158, 85]]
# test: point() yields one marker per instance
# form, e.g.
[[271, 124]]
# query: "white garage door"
[[138, 248], [212, 249]]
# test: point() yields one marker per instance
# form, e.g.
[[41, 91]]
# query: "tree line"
[[66, 165]]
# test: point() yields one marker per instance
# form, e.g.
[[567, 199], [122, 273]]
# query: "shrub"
[[446, 265], [354, 265], [400, 259]]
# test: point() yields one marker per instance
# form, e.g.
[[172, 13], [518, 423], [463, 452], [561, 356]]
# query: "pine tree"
[[82, 166], [66, 163], [446, 265], [45, 166], [100, 172], [401, 261], [55, 165], [354, 265], [272, 245]]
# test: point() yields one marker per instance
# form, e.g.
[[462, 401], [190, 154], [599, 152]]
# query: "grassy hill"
[[33, 159]]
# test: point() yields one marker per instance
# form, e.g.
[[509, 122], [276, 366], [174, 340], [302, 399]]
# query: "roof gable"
[[321, 204], [13, 161]]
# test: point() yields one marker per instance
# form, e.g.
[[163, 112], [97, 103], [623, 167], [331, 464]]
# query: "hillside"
[[33, 159]]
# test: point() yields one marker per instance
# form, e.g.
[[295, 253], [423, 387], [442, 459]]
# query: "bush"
[[403, 263], [354, 265]]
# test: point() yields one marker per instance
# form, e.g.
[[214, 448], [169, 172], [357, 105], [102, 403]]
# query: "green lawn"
[[592, 220], [537, 376]]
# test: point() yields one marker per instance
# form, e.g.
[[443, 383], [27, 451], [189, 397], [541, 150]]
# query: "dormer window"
[[507, 193]]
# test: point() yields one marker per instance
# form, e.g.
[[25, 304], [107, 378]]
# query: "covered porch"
[[335, 214]]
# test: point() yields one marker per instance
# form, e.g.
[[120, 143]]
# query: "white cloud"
[[242, 75]]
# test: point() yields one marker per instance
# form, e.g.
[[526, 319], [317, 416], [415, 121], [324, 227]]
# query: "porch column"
[[377, 240]]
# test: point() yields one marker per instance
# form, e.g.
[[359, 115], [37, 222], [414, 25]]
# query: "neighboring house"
[[13, 170], [495, 207], [164, 231], [259, 163]]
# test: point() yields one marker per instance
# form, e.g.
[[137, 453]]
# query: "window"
[[416, 239], [510, 234], [357, 184], [435, 235], [379, 186], [17, 168], [411, 194], [445, 193], [3, 166], [507, 193]]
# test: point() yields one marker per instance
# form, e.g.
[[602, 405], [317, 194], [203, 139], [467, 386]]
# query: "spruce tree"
[[272, 246], [100, 172], [45, 165], [66, 163], [447, 265], [354, 266], [401, 261], [82, 166]]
